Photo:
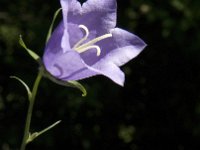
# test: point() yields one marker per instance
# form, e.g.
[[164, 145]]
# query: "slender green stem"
[[30, 110]]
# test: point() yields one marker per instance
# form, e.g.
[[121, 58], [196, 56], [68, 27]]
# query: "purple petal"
[[101, 13], [123, 47], [120, 48], [98, 15], [76, 34], [116, 51], [70, 7], [69, 66], [53, 47], [110, 70], [64, 65]]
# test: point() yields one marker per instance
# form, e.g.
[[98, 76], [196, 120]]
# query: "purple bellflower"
[[88, 43]]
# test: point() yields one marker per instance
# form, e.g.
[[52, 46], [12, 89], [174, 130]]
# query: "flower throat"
[[81, 47]]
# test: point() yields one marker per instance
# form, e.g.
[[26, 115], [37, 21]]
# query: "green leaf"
[[24, 84], [36, 134], [52, 23], [79, 86], [73, 84], [31, 53]]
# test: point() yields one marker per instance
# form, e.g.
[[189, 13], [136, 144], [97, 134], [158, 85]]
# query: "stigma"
[[81, 47]]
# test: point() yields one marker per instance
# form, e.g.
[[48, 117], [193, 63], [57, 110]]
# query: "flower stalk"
[[30, 110]]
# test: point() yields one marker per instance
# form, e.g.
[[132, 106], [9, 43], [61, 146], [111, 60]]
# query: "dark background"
[[157, 109]]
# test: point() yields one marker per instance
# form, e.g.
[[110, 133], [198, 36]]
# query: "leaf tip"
[[84, 94]]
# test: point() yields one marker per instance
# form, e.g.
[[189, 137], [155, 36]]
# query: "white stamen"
[[95, 40], [89, 45], [84, 38]]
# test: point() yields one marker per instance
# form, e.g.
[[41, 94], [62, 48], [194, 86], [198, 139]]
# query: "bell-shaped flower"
[[88, 43]]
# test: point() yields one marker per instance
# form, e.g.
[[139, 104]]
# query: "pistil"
[[80, 47]]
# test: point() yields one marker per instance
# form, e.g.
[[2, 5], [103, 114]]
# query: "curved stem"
[[30, 110]]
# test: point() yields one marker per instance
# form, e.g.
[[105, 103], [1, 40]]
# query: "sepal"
[[34, 135], [74, 84], [52, 24], [25, 85], [30, 52]]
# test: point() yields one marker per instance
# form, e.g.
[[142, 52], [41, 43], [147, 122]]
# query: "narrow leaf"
[[79, 86], [73, 84], [52, 23], [31, 53], [24, 84], [36, 134]]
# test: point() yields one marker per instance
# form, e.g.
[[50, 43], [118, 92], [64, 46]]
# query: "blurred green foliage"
[[158, 109]]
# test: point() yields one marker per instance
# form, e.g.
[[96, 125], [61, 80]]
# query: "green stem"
[[30, 110]]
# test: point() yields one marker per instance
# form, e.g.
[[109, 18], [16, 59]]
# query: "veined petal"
[[100, 4], [100, 14], [75, 34], [70, 66], [111, 71], [53, 46], [124, 46], [70, 7], [74, 7], [119, 49], [65, 65], [65, 42], [116, 51], [97, 15], [73, 68]]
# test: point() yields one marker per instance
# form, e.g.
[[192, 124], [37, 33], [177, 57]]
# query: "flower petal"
[[75, 34], [100, 15], [70, 66], [119, 49], [64, 65], [53, 46], [116, 51], [123, 47], [70, 7], [111, 71], [97, 15]]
